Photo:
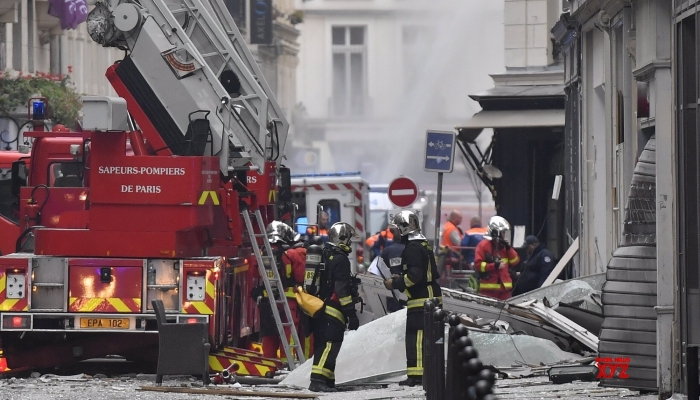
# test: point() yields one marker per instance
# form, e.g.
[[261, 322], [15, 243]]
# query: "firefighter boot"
[[318, 386], [412, 381]]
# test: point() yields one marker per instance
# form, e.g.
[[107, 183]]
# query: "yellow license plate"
[[104, 323]]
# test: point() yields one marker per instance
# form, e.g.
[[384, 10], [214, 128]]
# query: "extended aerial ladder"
[[210, 69]]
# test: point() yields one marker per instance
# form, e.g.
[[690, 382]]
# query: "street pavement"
[[127, 387]]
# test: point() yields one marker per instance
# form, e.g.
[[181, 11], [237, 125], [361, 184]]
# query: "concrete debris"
[[678, 396], [374, 349], [503, 350], [582, 292], [70, 378]]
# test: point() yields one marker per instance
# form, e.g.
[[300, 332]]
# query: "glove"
[[353, 322], [489, 259], [256, 292], [505, 243], [389, 284]]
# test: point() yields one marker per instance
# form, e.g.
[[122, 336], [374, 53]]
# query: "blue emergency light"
[[38, 110]]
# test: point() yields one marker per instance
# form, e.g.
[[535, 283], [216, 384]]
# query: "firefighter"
[[419, 280], [334, 287], [493, 259], [303, 327], [391, 255], [291, 266]]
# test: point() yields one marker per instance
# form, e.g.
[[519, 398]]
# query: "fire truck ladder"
[[214, 48], [277, 296]]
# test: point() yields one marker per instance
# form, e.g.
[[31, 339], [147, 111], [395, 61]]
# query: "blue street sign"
[[439, 151]]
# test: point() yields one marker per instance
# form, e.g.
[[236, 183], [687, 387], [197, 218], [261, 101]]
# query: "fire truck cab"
[[344, 197]]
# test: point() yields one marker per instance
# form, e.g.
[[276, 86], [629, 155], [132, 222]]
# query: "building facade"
[[622, 149], [375, 75], [525, 109]]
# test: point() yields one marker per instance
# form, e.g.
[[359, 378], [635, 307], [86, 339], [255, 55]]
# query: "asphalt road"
[[83, 386]]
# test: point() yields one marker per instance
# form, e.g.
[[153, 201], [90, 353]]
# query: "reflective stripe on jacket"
[[491, 277]]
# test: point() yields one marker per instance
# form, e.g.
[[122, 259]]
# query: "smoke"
[[459, 43]]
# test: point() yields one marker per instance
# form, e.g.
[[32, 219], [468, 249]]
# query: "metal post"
[[247, 22], [437, 212], [691, 359]]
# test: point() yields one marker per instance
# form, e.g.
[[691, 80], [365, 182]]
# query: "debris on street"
[[374, 349], [504, 350], [229, 392]]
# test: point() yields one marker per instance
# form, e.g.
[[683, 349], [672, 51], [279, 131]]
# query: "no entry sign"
[[403, 191]]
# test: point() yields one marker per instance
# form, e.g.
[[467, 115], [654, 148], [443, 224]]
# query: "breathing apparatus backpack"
[[315, 266]]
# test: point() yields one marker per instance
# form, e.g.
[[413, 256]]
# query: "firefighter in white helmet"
[[335, 288], [291, 267], [493, 258], [418, 279]]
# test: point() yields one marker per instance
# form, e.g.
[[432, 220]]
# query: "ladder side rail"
[[268, 285], [250, 89], [228, 25], [283, 301], [173, 31]]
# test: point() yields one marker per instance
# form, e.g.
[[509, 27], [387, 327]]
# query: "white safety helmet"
[[341, 234], [498, 228], [406, 222], [280, 232]]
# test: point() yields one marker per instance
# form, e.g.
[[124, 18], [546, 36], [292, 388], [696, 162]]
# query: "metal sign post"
[[439, 157]]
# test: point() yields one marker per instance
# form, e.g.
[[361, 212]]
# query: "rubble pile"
[[504, 350]]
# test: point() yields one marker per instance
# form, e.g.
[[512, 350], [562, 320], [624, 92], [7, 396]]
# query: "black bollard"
[[691, 356], [467, 356], [439, 352], [450, 374], [428, 380], [483, 381]]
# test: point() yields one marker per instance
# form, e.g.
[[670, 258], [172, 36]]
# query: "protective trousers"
[[414, 343], [328, 331], [272, 347]]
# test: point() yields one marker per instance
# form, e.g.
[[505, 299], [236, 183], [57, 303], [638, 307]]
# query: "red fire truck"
[[146, 202]]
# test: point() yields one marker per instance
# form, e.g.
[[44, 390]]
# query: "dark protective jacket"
[[535, 271], [419, 275], [391, 255], [335, 283]]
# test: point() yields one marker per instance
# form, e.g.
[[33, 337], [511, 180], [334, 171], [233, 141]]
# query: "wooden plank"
[[228, 392], [562, 263]]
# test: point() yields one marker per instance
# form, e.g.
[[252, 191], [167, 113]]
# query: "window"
[[66, 174], [349, 53], [332, 208]]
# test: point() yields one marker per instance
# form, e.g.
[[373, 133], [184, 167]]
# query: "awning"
[[515, 119]]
